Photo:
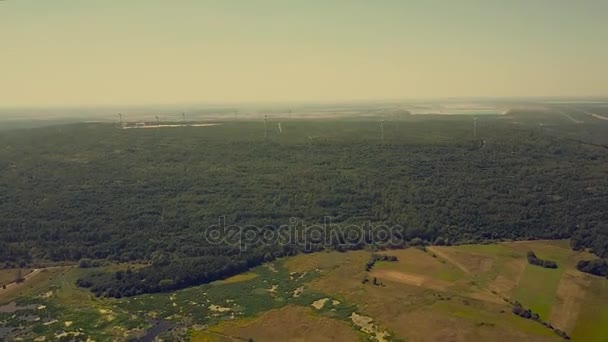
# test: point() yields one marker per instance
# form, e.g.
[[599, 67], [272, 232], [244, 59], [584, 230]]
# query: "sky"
[[117, 52]]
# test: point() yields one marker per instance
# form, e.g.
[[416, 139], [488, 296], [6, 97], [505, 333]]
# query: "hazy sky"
[[75, 52]]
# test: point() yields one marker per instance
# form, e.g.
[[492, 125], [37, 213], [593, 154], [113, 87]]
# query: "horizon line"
[[601, 98]]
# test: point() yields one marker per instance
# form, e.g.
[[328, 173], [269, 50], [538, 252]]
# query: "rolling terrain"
[[459, 293], [111, 228]]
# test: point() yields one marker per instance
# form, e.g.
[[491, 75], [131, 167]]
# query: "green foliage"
[[534, 260], [597, 267], [593, 236], [378, 257], [96, 192], [88, 263], [520, 311]]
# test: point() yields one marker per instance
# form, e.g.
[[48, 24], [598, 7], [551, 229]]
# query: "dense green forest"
[[99, 192]]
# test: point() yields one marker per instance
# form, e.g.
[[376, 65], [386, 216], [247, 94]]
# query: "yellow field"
[[239, 278], [9, 275], [458, 293], [291, 323]]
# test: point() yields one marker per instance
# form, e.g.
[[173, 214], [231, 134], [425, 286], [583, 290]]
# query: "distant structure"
[[265, 126], [184, 118], [280, 128], [475, 127], [382, 130], [157, 121], [122, 124]]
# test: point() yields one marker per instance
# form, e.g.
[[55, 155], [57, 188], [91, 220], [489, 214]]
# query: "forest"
[[100, 193]]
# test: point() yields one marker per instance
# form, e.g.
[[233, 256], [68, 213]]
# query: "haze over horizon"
[[69, 53]]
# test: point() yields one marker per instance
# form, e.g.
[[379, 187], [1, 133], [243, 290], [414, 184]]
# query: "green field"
[[538, 286], [593, 311]]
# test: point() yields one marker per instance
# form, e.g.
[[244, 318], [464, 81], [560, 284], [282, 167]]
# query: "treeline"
[[593, 236], [168, 274], [378, 257], [598, 267], [534, 260], [520, 311], [174, 275]]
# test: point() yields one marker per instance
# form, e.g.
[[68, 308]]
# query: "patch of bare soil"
[[410, 279]]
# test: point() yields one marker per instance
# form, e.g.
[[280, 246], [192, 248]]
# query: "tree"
[[598, 267], [440, 241], [534, 260], [159, 258], [19, 277], [416, 242]]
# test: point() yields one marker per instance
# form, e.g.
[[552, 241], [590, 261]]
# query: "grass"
[[56, 293], [261, 302], [591, 324], [311, 262], [479, 315], [291, 323], [33, 285], [239, 278], [413, 260], [537, 287], [499, 250], [9, 275]]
